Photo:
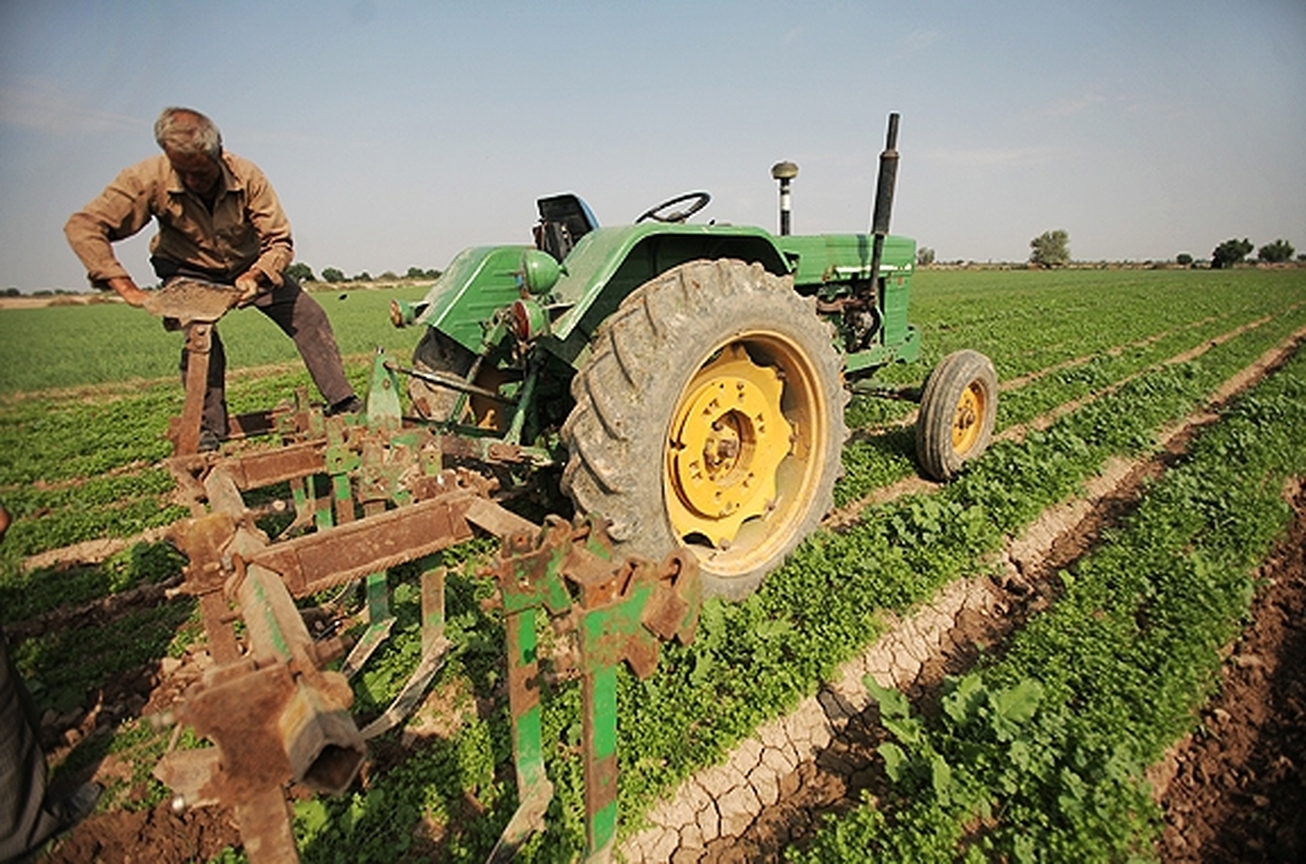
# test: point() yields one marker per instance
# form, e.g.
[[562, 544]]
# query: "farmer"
[[220, 221], [27, 817]]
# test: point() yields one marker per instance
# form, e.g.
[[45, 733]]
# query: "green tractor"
[[690, 379]]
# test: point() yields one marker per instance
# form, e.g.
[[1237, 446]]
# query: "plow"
[[681, 385]]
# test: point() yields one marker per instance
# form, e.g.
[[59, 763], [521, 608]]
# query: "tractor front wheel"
[[958, 407], [709, 415]]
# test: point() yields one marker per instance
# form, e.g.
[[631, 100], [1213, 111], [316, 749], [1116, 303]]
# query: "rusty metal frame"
[[274, 713]]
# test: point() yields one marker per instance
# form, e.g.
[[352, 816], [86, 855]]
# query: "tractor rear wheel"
[[958, 407], [709, 415]]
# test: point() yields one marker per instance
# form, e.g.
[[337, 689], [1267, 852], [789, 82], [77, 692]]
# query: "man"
[[27, 817], [219, 220]]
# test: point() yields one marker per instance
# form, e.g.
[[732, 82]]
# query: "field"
[[1020, 665]]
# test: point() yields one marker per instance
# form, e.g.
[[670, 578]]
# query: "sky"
[[397, 133]]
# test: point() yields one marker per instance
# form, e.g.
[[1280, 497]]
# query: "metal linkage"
[[618, 611]]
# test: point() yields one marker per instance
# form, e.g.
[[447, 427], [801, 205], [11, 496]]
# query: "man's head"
[[193, 146]]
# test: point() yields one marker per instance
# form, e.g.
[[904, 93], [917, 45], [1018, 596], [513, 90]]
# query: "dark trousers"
[[25, 821], [302, 319]]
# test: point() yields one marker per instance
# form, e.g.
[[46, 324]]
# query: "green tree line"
[[304, 273]]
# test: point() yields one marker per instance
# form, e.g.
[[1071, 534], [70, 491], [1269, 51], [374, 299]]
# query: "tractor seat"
[[564, 219]]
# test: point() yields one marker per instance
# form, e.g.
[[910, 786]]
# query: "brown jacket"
[[247, 229]]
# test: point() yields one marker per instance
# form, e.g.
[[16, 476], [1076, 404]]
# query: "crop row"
[[1030, 322], [877, 459], [1041, 755]]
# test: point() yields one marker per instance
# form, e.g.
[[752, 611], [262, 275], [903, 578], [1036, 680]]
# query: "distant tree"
[[1230, 252], [419, 273], [1184, 259], [1276, 252], [1050, 249], [12, 292], [301, 272], [333, 275], [925, 256], [388, 276], [363, 277]]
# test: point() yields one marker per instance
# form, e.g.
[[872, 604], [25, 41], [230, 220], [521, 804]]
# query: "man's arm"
[[120, 211], [276, 246]]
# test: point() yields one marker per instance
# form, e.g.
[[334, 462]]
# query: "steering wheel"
[[698, 200]]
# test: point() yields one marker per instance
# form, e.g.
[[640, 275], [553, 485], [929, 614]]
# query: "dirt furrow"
[[1233, 791]]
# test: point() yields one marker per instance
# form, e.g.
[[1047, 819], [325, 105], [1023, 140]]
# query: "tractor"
[[682, 384], [689, 379]]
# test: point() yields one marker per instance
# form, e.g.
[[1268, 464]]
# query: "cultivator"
[[272, 705]]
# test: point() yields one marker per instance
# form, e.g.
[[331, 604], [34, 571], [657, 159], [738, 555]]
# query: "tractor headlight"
[[539, 271]]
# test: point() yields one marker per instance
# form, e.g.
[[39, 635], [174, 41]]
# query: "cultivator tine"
[[408, 698], [378, 627], [599, 727], [526, 820], [264, 821], [435, 649], [432, 608]]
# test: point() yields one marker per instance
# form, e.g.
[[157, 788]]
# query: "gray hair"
[[187, 131]]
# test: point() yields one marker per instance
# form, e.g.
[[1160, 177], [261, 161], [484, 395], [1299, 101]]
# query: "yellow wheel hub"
[[967, 420], [727, 439]]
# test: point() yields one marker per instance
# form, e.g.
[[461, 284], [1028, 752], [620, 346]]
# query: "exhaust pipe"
[[884, 195], [888, 177]]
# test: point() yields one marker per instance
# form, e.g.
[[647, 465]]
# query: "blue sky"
[[397, 133]]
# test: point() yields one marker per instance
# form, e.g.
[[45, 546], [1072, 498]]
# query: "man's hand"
[[249, 286], [126, 288]]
